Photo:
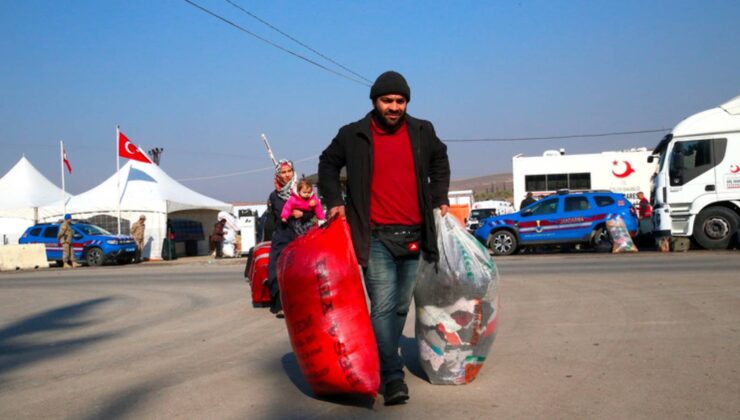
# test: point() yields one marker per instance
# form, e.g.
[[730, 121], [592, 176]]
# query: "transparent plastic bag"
[[621, 240], [457, 306]]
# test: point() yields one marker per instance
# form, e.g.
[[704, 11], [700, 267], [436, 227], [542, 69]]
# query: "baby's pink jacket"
[[295, 202]]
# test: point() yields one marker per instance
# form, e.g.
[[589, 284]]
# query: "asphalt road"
[[581, 336]]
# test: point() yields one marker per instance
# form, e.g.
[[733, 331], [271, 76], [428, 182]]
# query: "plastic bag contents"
[[456, 306], [326, 312], [621, 240], [230, 233]]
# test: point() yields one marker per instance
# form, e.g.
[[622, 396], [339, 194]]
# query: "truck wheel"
[[714, 227], [94, 257], [602, 242], [502, 242]]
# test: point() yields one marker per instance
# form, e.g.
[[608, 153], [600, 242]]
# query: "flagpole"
[[61, 166], [118, 178]]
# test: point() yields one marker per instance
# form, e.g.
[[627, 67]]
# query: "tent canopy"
[[24, 189], [24, 186], [144, 187], [145, 190]]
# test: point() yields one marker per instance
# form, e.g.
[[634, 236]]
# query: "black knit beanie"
[[389, 83]]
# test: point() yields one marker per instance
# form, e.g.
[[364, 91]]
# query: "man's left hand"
[[443, 209]]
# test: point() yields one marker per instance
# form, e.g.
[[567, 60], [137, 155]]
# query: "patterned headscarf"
[[284, 190]]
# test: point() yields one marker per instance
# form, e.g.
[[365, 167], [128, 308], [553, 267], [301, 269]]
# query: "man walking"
[[65, 237], [645, 219], [137, 231], [527, 200], [645, 210], [217, 239], [397, 173]]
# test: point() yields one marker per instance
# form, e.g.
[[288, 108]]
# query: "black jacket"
[[352, 147], [527, 201]]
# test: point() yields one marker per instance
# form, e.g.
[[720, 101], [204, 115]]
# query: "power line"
[[570, 136], [267, 41], [268, 24], [88, 147], [200, 178]]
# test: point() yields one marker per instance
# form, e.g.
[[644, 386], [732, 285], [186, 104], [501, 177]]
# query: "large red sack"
[[326, 313]]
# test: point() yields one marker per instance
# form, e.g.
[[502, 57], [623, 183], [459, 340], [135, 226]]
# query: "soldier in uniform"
[[65, 237], [137, 231]]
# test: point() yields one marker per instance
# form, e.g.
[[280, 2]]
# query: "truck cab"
[[696, 189]]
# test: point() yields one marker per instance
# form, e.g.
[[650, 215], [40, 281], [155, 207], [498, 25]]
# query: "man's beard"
[[388, 126]]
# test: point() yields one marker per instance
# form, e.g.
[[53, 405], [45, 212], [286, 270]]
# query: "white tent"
[[146, 190], [24, 191]]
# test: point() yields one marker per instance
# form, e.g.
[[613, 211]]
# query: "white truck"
[[627, 172], [696, 189], [247, 215]]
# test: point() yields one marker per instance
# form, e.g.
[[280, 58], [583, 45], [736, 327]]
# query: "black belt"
[[396, 229]]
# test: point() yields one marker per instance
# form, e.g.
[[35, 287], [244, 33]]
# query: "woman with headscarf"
[[285, 181]]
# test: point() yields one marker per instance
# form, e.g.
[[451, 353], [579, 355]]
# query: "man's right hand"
[[338, 210]]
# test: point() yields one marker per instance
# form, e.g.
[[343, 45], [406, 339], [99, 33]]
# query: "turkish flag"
[[66, 161], [128, 150]]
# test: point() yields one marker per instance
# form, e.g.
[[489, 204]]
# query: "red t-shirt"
[[646, 210], [394, 199]]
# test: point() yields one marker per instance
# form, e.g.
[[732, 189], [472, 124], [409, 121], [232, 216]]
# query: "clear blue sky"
[[175, 77]]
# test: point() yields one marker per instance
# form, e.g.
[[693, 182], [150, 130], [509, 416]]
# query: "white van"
[[696, 189], [487, 208]]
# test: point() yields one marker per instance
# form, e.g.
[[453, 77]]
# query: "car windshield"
[[661, 149], [482, 213], [548, 206], [93, 230]]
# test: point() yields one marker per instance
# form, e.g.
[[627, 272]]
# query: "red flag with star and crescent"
[[128, 150], [66, 161]]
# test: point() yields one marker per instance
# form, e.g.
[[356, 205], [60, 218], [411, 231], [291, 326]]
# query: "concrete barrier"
[[23, 257]]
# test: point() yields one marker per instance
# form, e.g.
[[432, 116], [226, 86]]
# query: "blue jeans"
[[390, 284]]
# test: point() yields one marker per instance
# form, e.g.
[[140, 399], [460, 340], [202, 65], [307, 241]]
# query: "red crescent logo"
[[734, 169], [627, 171], [126, 145]]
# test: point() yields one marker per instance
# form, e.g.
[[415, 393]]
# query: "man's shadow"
[[34, 339]]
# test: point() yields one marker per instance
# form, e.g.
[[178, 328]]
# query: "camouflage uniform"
[[137, 231], [65, 238]]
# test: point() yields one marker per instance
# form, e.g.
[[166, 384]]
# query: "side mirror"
[[527, 212], [650, 159], [77, 236]]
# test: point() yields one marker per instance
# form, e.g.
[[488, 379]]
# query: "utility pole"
[[155, 154]]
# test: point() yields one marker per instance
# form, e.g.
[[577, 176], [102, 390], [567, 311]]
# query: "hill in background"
[[488, 187]]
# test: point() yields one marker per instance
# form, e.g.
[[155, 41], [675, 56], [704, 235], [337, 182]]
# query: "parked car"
[[564, 218], [92, 244]]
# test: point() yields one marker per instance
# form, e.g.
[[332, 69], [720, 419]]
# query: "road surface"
[[581, 336]]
